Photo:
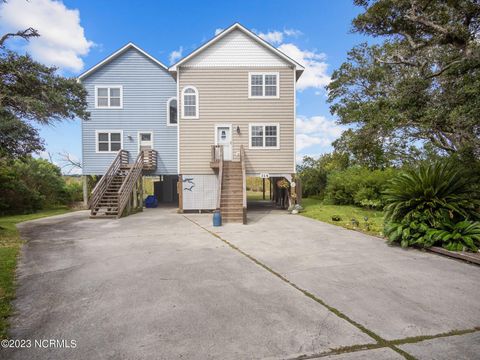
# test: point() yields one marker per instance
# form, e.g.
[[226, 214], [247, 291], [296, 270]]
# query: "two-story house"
[[236, 92], [235, 118], [132, 104]]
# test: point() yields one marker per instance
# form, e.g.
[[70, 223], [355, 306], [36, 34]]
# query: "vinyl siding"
[[146, 89], [236, 49], [223, 99]]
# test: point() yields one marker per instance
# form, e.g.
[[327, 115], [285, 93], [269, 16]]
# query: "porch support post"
[[271, 189], [85, 190], [180, 193], [263, 188], [141, 193], [135, 196]]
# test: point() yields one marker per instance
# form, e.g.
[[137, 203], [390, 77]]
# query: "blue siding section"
[[146, 89]]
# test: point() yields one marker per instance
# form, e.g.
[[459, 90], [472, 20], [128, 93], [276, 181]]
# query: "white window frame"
[[168, 111], [197, 112], [264, 147], [109, 142], [263, 96], [139, 139], [109, 87]]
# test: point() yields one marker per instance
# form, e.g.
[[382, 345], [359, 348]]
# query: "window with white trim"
[[108, 97], [263, 85], [264, 136], [109, 141], [190, 103], [172, 112]]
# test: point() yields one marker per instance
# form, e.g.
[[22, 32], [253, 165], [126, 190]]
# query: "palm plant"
[[434, 192], [432, 205]]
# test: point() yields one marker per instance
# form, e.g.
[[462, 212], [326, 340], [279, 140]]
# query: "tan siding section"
[[223, 99]]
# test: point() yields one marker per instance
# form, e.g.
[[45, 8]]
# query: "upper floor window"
[[263, 85], [108, 97], [190, 103], [264, 136], [172, 112], [109, 140]]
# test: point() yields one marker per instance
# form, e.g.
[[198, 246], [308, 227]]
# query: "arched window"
[[190, 103], [172, 113]]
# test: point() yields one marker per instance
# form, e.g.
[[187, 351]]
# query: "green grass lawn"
[[257, 195], [316, 210], [10, 243]]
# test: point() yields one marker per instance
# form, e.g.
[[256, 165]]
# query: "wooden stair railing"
[[149, 159], [220, 175], [244, 183], [127, 187], [217, 154], [102, 186]]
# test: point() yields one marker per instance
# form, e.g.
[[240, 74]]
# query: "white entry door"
[[145, 141], [224, 137]]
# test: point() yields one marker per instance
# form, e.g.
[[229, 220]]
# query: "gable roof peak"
[[123, 49], [237, 26]]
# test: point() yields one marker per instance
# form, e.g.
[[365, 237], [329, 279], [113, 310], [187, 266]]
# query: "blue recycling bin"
[[151, 201], [217, 218]]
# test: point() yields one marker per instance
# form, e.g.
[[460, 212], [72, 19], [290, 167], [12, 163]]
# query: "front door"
[[224, 137], [145, 141]]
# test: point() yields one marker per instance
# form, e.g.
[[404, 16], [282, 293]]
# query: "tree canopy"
[[32, 93], [420, 84]]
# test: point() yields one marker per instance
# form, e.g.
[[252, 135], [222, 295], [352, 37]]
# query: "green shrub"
[[457, 237], [432, 205], [464, 235], [74, 191], [313, 172], [358, 186], [30, 185]]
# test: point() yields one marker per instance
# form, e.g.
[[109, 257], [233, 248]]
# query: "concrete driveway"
[[163, 285]]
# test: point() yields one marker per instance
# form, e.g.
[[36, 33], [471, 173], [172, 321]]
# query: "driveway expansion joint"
[[381, 342]]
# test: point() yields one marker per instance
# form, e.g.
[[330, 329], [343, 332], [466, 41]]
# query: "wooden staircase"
[[231, 201], [232, 189], [119, 191], [108, 205]]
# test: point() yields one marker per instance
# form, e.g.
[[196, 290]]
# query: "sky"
[[76, 35]]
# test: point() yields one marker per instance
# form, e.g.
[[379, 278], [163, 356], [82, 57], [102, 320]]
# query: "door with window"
[[145, 141], [224, 137]]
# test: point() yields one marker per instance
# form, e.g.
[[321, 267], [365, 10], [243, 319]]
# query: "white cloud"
[[276, 37], [316, 130], [175, 55], [319, 125], [315, 74], [292, 32], [62, 41], [218, 31], [305, 141], [273, 37]]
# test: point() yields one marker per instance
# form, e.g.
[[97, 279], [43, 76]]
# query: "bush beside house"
[[30, 184]]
